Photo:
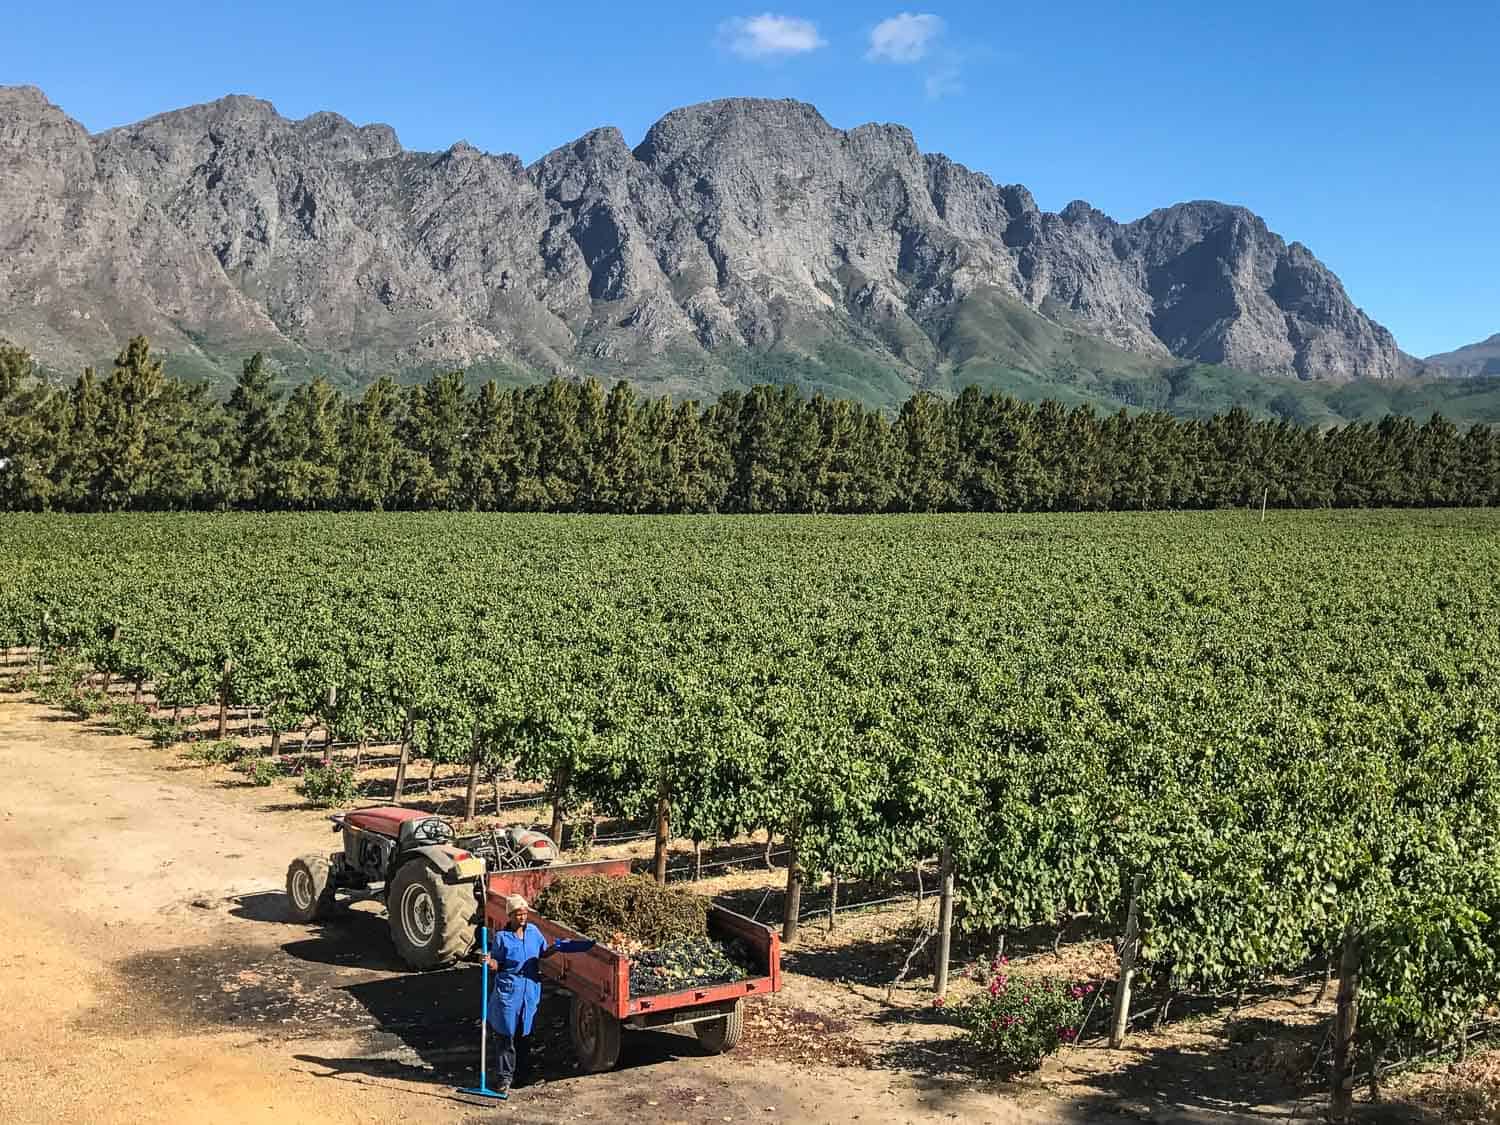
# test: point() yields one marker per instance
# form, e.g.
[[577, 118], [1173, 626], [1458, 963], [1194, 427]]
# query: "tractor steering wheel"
[[433, 831]]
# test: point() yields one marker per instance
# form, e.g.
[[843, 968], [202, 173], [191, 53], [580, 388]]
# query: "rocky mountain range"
[[739, 240], [1476, 360]]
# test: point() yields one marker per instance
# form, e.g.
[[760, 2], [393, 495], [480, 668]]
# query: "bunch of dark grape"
[[687, 963]]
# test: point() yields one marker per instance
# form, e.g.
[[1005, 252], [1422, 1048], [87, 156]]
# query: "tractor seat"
[[384, 820]]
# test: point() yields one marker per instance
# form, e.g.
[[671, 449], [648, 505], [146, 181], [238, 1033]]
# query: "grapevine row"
[[1289, 728]]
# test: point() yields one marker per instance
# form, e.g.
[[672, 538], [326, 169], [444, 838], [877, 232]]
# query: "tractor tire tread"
[[320, 871], [455, 904]]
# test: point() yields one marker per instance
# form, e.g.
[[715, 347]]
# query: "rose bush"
[[1017, 1021]]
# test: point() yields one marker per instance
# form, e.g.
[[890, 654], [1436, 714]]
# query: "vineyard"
[[1289, 730]]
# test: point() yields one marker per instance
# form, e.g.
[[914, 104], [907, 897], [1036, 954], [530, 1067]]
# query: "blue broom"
[[483, 1090]]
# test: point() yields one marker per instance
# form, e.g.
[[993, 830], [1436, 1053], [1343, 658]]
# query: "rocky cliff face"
[[1482, 358], [733, 225]]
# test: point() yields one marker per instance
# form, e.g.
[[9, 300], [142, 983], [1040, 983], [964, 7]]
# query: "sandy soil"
[[148, 974]]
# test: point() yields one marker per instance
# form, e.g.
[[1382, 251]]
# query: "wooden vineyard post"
[[1345, 1021], [114, 639], [559, 788], [945, 923], [473, 794], [328, 706], [792, 907], [663, 828], [1120, 1016], [224, 698], [401, 762], [1264, 496]]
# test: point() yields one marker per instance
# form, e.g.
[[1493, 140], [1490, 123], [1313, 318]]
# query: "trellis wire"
[[843, 909], [744, 861]]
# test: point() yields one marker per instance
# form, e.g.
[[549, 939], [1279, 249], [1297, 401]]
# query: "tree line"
[[138, 439]]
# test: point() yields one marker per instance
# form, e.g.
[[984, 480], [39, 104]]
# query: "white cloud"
[[903, 38], [946, 78], [769, 36]]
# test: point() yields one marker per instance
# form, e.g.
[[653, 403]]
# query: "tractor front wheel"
[[432, 922], [309, 888]]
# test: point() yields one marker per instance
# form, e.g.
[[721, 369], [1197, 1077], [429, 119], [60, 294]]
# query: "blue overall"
[[514, 995], [517, 988]]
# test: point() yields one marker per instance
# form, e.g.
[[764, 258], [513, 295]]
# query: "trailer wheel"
[[596, 1036], [723, 1034], [309, 888], [431, 921]]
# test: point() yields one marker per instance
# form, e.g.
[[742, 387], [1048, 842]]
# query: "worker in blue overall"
[[515, 958]]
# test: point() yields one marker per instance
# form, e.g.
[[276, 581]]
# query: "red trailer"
[[599, 981]]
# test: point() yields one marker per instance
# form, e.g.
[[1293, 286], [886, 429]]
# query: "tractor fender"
[[446, 862]]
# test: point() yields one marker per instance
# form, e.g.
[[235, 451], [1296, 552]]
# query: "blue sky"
[[1370, 132]]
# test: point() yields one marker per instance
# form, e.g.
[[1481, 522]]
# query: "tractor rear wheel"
[[723, 1034], [432, 922], [596, 1036], [309, 888]]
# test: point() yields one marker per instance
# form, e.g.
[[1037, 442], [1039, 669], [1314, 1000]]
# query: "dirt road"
[[147, 974]]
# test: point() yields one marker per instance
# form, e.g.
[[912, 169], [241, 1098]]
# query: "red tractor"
[[429, 877]]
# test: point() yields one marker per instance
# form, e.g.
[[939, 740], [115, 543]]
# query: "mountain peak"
[[737, 228]]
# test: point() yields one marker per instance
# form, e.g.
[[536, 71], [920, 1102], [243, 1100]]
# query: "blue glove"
[[572, 945]]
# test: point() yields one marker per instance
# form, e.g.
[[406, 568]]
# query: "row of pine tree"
[[136, 439]]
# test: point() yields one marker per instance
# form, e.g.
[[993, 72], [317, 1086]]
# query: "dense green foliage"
[[137, 440], [1292, 728]]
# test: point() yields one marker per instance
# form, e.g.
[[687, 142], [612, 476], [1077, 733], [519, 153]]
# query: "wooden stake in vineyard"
[[792, 906], [663, 829], [401, 762], [114, 639], [333, 698], [1121, 1014], [945, 923], [473, 795], [1345, 1021], [559, 788], [223, 698]]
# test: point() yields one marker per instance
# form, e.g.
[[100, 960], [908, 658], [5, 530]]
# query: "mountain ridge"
[[737, 233], [1481, 358]]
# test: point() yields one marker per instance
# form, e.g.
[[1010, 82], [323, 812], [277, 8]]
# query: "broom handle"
[[484, 1004]]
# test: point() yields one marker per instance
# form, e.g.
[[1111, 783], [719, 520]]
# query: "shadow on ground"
[[413, 1025], [1262, 1070]]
